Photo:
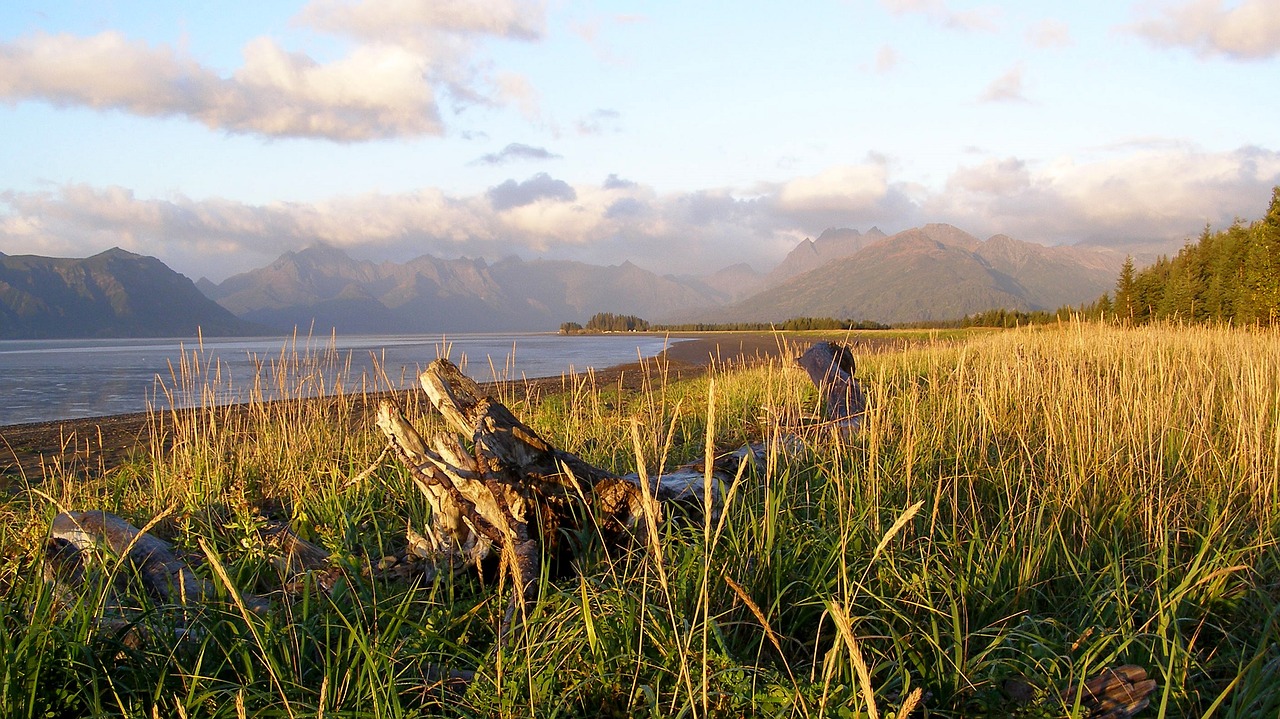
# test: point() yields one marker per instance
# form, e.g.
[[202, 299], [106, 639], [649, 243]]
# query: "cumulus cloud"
[[1162, 194], [613, 182], [388, 84], [516, 151], [512, 194], [1006, 177], [837, 188], [1247, 30], [1156, 193], [1006, 88], [982, 18]]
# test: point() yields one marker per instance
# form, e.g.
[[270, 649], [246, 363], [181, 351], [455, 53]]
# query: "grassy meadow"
[[1022, 509]]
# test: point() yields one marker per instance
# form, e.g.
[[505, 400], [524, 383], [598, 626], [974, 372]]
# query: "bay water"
[[46, 380]]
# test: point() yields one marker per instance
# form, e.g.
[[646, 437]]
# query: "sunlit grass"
[[1022, 505]]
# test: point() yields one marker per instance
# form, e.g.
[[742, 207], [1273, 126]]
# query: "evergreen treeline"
[[793, 324], [1229, 276], [1019, 318], [607, 322]]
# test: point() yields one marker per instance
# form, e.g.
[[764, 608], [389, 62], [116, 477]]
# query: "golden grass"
[[1030, 503]]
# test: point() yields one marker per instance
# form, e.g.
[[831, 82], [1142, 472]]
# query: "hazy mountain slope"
[[322, 287], [935, 272], [1053, 276], [833, 244], [575, 291], [112, 294], [912, 278], [729, 284]]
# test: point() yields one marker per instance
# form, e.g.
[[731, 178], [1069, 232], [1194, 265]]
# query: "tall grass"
[[1027, 506]]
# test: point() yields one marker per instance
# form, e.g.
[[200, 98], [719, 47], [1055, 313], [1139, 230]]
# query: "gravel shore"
[[97, 443]]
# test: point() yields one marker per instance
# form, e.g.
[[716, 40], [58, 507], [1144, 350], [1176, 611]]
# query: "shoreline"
[[95, 444]]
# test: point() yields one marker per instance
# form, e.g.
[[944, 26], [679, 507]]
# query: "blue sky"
[[681, 136]]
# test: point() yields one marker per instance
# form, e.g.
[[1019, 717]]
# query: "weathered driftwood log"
[[515, 493], [165, 577], [78, 539]]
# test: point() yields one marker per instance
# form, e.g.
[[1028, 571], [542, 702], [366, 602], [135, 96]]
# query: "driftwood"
[[163, 576], [515, 494], [101, 545], [1117, 693]]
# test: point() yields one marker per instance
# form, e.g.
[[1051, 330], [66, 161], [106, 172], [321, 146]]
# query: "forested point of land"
[[606, 322]]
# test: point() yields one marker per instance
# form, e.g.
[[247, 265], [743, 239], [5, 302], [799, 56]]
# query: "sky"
[[681, 136]]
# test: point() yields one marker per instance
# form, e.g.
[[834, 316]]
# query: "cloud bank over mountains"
[[1126, 200]]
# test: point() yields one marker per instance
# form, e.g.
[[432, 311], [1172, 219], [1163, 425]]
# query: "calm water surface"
[[42, 380]]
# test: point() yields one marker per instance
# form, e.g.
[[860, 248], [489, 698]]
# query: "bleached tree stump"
[[514, 493]]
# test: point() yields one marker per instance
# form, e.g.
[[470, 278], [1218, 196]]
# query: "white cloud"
[[413, 23], [1006, 88], [516, 90], [1149, 193], [1163, 194], [387, 85], [516, 151], [1247, 30], [995, 177], [842, 188], [1050, 34], [982, 18], [600, 122], [886, 59]]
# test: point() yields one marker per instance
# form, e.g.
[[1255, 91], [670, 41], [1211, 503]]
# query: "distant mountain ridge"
[[322, 286], [112, 294], [934, 272]]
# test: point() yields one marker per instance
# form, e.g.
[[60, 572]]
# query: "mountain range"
[[323, 285], [112, 294], [934, 272]]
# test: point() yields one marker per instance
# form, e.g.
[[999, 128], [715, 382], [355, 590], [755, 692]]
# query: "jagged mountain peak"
[[318, 254], [833, 243], [835, 236]]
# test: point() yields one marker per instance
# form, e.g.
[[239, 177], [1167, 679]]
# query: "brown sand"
[[95, 444]]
